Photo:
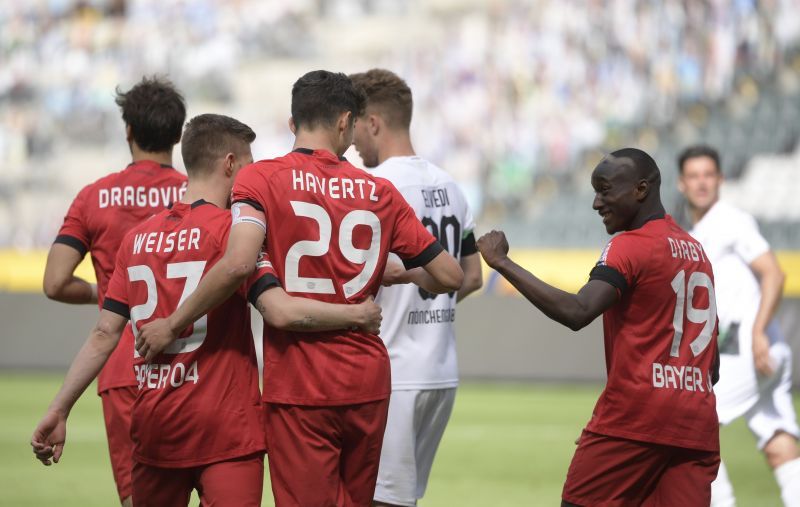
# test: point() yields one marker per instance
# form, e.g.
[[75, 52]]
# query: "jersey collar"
[[318, 153], [150, 162]]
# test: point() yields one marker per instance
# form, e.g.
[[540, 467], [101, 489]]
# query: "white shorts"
[[417, 419], [765, 403]]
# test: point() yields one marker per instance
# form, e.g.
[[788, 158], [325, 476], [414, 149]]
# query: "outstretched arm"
[[572, 310], [222, 280], [48, 438], [282, 311], [60, 282]]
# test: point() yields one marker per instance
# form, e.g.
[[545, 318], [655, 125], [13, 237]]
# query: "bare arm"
[[445, 273], [48, 438], [572, 310], [60, 282], [473, 275], [443, 265], [282, 311], [771, 279], [221, 281]]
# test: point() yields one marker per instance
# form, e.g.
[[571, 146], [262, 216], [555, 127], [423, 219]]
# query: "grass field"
[[507, 445]]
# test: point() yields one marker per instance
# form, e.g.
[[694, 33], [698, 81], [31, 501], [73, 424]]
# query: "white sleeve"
[[749, 243]]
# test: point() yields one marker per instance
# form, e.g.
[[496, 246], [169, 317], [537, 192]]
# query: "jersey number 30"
[[705, 316]]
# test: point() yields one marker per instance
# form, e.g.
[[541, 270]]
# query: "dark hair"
[[210, 136], [698, 150], [319, 97], [646, 167], [388, 93], [155, 112]]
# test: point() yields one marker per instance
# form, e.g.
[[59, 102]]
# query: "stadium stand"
[[516, 99]]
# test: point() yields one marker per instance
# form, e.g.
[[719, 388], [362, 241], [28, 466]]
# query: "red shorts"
[[117, 404], [325, 456], [237, 482], [609, 471]]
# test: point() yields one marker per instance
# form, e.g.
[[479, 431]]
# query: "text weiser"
[[139, 197], [150, 242], [686, 378], [157, 376], [335, 188], [687, 250]]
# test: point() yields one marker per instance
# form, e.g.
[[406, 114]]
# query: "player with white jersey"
[[418, 327], [755, 369]]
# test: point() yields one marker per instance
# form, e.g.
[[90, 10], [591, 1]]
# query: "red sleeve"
[[246, 188], [116, 297], [263, 278], [411, 241], [620, 263], [74, 231]]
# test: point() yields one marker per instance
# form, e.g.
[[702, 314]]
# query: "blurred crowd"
[[511, 96]]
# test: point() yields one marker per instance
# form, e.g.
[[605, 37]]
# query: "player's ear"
[[128, 133], [229, 164], [292, 126], [374, 124], [346, 121], [642, 190]]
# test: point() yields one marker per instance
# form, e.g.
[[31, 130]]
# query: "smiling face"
[[616, 196], [700, 181]]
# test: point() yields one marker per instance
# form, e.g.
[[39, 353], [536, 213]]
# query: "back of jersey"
[[206, 381], [98, 219], [660, 339], [417, 326], [330, 228]]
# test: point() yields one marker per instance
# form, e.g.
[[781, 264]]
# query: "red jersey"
[[198, 402], [97, 221], [330, 228], [660, 339]]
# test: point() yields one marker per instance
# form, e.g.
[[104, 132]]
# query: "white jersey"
[[732, 241], [418, 327]]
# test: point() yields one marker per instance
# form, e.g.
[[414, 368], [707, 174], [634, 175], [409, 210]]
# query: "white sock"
[[722, 489], [788, 477]]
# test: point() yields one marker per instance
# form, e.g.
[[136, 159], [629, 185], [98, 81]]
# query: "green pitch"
[[507, 445]]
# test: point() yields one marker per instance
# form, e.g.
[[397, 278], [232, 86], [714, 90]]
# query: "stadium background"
[[517, 99]]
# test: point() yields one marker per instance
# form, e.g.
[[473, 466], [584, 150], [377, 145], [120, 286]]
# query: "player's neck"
[[160, 157], [646, 214], [318, 139], [697, 214], [395, 145], [207, 190]]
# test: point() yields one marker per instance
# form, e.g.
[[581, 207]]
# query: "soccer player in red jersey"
[[96, 222], [653, 438], [197, 420], [329, 228]]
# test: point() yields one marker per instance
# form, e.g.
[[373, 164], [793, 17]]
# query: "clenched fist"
[[493, 246]]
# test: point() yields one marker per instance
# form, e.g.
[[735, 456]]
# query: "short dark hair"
[[645, 165], [698, 150], [155, 112], [319, 97], [210, 136], [388, 93]]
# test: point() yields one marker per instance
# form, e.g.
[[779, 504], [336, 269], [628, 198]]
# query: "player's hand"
[[49, 436], [395, 273], [761, 356], [493, 247], [153, 338], [370, 316]]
